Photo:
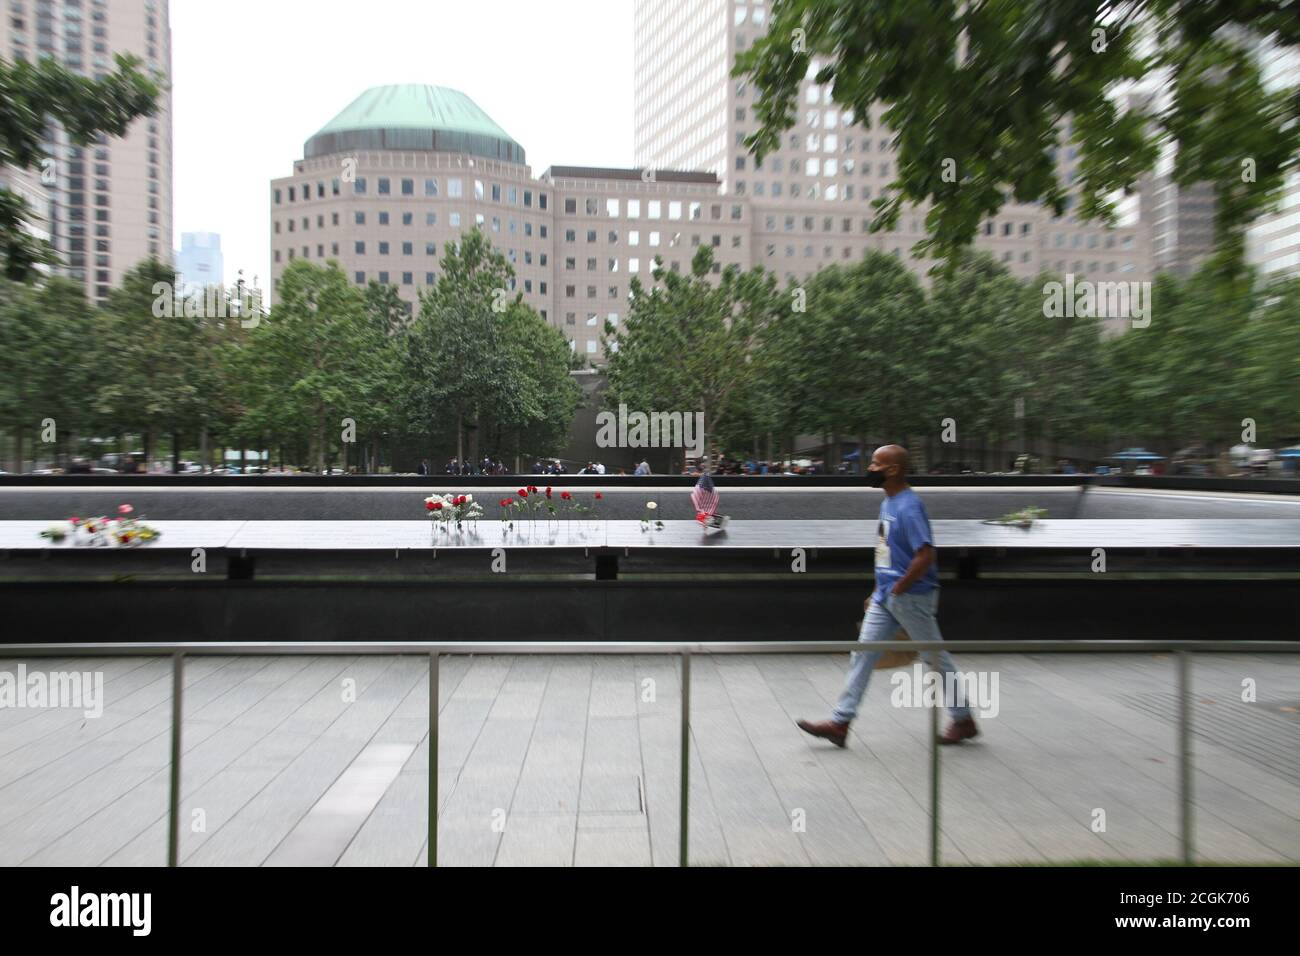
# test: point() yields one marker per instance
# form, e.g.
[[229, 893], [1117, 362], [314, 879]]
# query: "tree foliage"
[[33, 95], [999, 87]]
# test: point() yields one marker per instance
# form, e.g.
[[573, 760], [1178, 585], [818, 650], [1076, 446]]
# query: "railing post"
[[934, 765], [174, 805], [684, 815], [1185, 755], [433, 760]]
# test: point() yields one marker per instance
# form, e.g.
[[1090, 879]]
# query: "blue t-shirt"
[[902, 529]]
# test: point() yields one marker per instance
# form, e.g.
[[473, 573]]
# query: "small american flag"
[[704, 496]]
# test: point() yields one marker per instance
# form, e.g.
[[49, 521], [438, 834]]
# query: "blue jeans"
[[915, 613]]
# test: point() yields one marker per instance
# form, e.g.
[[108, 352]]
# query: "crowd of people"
[[456, 467], [753, 466]]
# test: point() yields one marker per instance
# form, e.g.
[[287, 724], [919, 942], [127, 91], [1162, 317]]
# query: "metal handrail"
[[178, 651]]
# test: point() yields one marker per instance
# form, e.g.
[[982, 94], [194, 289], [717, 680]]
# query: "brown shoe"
[[834, 731], [958, 731]]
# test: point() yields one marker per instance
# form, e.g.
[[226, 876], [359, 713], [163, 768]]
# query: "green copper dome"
[[414, 117]]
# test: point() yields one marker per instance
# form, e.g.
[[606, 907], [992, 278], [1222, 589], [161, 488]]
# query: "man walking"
[[906, 596]]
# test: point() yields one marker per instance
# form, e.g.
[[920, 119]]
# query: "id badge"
[[882, 545]]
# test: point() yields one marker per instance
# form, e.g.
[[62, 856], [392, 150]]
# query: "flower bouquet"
[[1024, 518], [124, 531], [446, 510]]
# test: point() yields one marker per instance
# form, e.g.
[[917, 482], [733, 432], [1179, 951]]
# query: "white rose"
[[651, 505]]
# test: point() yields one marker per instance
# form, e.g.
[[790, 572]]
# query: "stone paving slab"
[[573, 761]]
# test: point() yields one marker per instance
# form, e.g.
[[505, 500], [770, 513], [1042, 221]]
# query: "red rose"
[[533, 489], [436, 505], [428, 506], [523, 493], [599, 496], [548, 491], [565, 496]]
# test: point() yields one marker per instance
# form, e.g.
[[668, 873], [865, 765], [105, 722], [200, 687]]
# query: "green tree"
[[687, 344], [153, 383], [311, 364], [50, 359], [480, 360]]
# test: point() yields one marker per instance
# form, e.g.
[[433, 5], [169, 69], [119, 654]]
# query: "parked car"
[[127, 464]]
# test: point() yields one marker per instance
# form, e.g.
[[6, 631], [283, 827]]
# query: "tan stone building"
[[108, 205], [404, 170]]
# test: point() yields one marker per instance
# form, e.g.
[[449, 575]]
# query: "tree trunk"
[[320, 440], [460, 438]]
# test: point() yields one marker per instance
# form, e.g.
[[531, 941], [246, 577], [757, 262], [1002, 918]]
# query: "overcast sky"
[[253, 79]]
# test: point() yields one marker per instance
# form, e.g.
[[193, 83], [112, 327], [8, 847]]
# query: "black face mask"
[[876, 479]]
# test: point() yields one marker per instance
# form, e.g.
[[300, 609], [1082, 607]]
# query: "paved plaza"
[[561, 760]]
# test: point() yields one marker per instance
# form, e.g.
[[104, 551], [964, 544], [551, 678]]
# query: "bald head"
[[892, 455]]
